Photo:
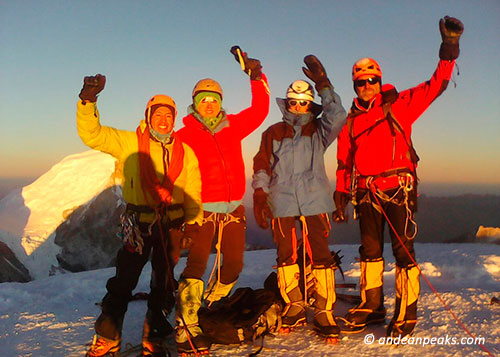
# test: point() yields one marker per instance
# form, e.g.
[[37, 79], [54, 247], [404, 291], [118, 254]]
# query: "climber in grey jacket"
[[290, 184]]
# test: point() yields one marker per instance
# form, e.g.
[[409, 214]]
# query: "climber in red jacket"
[[215, 138], [377, 170]]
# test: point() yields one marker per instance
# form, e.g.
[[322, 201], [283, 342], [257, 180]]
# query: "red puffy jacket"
[[219, 155], [372, 144]]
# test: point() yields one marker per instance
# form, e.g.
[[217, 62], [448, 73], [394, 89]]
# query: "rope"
[[253, 354], [304, 263], [407, 183], [189, 335], [459, 322], [165, 254], [405, 186], [227, 219], [217, 259], [171, 277]]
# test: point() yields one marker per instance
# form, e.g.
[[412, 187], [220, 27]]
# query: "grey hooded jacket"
[[290, 163]]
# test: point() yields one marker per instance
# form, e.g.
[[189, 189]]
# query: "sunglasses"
[[208, 99], [362, 82], [302, 103]]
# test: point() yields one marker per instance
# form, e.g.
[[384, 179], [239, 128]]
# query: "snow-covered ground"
[[54, 316]]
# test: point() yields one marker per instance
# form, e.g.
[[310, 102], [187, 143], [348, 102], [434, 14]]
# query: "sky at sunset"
[[151, 47]]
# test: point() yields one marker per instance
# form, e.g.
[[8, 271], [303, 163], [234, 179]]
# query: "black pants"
[[372, 223], [285, 238], [129, 265]]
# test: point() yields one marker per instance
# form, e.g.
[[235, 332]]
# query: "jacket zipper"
[[165, 162]]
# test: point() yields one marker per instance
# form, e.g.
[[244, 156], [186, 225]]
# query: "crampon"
[[330, 339], [101, 346], [287, 329]]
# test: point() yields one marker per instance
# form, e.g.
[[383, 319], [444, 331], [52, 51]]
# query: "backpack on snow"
[[242, 317]]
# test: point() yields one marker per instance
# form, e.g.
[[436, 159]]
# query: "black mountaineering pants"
[[372, 223], [129, 265]]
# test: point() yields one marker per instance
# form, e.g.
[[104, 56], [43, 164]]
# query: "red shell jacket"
[[219, 155], [370, 143]]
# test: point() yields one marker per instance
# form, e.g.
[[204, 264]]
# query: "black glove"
[[316, 72], [341, 199], [261, 208], [188, 235], [92, 86], [451, 29], [250, 66]]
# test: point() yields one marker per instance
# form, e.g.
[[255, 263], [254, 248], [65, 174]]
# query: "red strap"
[[294, 245], [159, 192]]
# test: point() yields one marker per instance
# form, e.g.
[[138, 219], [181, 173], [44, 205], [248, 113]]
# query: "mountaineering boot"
[[324, 302], [294, 312], [188, 334], [371, 310], [216, 291], [103, 347], [407, 291], [155, 331]]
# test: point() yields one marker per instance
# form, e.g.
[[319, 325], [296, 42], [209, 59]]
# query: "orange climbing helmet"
[[207, 85], [366, 66], [160, 99]]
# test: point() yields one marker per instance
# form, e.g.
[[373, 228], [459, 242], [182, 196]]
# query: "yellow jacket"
[[123, 145]]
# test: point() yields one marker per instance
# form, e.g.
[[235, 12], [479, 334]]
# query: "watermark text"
[[424, 341]]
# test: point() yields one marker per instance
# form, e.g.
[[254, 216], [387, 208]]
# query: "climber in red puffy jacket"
[[215, 138]]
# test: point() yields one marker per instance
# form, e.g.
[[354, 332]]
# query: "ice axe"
[[250, 66]]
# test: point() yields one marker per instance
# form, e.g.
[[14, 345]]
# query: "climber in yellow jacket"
[[162, 188]]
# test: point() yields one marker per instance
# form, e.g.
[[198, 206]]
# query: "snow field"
[[54, 316]]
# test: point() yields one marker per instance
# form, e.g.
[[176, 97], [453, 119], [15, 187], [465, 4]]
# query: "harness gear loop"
[[130, 232], [354, 189], [406, 183]]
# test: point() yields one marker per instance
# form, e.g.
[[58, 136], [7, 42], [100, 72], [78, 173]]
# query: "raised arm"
[[249, 119], [92, 133], [416, 100], [334, 115]]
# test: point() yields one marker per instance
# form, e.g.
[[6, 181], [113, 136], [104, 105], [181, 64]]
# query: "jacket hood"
[[298, 119]]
